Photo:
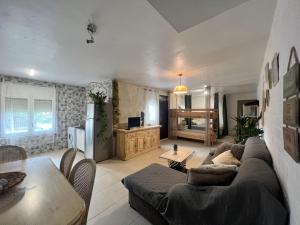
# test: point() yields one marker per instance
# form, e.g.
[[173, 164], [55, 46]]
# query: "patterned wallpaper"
[[104, 86], [71, 107], [71, 103]]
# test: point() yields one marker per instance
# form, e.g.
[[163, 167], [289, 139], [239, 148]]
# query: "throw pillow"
[[237, 151], [226, 158], [222, 148], [211, 175]]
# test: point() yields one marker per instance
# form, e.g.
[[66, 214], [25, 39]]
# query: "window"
[[27, 109], [16, 115], [43, 115]]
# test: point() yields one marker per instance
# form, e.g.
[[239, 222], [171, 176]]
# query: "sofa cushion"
[[211, 175], [237, 151], [222, 148], [153, 182], [254, 140], [259, 151], [208, 160], [257, 170], [226, 158]]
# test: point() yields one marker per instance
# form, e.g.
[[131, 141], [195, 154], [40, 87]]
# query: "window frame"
[[4, 118], [31, 93], [32, 120]]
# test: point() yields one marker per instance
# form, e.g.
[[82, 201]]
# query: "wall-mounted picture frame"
[[250, 110], [291, 112], [263, 104], [275, 69], [291, 142], [267, 97], [267, 72], [270, 81], [291, 78]]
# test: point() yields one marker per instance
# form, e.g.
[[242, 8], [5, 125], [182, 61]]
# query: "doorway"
[[163, 116]]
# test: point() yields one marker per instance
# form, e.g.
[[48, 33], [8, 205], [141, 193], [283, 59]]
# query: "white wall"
[[198, 101], [285, 33], [232, 100], [176, 101]]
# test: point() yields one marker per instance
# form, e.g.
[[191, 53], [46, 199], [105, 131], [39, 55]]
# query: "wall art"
[[267, 72], [267, 97], [291, 108], [291, 78], [291, 142], [291, 112], [275, 69]]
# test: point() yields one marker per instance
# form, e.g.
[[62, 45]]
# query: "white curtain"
[[28, 115], [151, 107]]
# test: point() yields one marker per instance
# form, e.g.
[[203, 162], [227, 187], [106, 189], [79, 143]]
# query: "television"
[[134, 122]]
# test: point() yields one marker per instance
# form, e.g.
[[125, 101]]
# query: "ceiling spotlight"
[[91, 28]]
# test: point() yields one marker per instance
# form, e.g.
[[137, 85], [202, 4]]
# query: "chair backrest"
[[9, 153], [82, 178], [67, 162]]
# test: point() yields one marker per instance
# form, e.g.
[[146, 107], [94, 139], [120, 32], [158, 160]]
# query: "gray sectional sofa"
[[254, 197]]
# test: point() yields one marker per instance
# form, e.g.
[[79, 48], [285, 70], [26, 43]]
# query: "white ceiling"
[[183, 15], [134, 43]]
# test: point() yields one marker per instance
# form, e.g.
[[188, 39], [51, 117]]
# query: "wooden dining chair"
[[9, 153], [66, 162], [82, 178]]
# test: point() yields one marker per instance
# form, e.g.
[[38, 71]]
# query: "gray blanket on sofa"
[[252, 199], [191, 205]]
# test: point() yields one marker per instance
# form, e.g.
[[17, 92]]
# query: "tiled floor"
[[109, 204]]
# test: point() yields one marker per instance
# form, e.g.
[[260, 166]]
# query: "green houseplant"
[[99, 99], [246, 127]]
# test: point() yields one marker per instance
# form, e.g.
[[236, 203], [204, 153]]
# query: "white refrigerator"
[[95, 148]]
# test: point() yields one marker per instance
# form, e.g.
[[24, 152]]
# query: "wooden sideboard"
[[131, 143]]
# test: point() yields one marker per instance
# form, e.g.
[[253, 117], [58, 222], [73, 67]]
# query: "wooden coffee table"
[[177, 160]]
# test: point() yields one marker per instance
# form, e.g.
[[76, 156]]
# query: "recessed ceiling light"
[[31, 72]]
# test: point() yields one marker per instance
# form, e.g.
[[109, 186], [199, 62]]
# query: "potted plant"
[[246, 127]]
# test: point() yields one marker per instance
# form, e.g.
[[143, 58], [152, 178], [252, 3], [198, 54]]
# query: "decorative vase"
[[175, 147]]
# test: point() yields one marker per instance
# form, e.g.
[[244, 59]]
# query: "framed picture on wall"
[[291, 81], [270, 81], [263, 104], [291, 112], [250, 110], [267, 72], [267, 97], [291, 142], [275, 69]]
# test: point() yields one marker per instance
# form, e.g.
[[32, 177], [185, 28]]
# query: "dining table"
[[44, 197]]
